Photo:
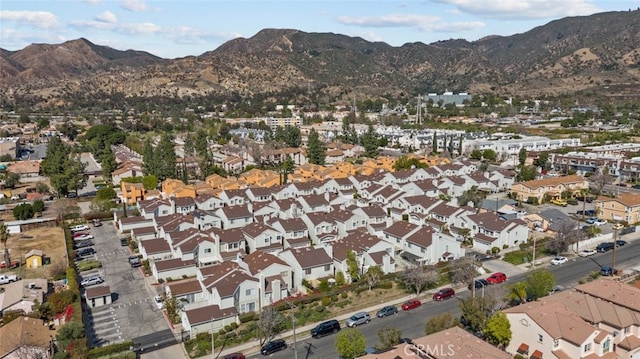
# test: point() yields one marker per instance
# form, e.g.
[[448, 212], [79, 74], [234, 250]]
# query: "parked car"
[[588, 212], [387, 311], [78, 234], [607, 271], [444, 293], [358, 319], [234, 356], [79, 228], [497, 277], [479, 283], [124, 242], [83, 237], [325, 328], [559, 260], [600, 222], [559, 202], [591, 220], [93, 280], [82, 244], [13, 264], [273, 346], [411, 304], [157, 300], [134, 261], [587, 252], [604, 247], [620, 242], [572, 201], [85, 252], [97, 222]]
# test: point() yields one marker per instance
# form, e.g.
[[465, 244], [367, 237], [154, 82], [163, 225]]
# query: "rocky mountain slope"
[[599, 53]]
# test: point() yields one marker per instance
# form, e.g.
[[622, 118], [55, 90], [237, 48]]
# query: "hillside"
[[598, 53]]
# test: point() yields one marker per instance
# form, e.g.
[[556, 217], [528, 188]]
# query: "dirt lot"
[[49, 240]]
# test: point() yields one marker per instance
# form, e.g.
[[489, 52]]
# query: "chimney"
[[329, 249]]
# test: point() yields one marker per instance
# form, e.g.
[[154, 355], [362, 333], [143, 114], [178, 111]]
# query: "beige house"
[[626, 207], [553, 186], [549, 329]]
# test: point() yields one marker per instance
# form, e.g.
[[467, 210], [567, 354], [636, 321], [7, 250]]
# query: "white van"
[[79, 227]]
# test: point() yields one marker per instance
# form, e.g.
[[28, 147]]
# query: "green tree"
[[539, 283], [68, 333], [460, 146], [522, 156], [352, 266], [489, 155], [440, 322], [476, 154], [316, 149], [498, 330], [105, 194], [350, 343], [23, 211], [149, 165], [42, 188], [477, 310], [11, 180], [165, 156], [4, 238], [340, 279], [373, 275], [542, 161], [369, 140], [388, 338], [38, 206], [406, 162], [527, 173], [150, 182], [63, 167], [434, 143], [286, 167], [108, 163]]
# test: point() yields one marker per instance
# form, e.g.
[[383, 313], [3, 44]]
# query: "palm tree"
[[4, 237]]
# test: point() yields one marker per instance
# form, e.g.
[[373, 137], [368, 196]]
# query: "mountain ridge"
[[588, 53]]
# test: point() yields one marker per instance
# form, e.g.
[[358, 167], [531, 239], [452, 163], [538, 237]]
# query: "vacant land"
[[49, 240]]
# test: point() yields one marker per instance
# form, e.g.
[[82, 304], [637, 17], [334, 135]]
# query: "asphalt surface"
[[412, 323]]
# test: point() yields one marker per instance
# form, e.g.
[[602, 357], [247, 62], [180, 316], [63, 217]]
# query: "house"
[[369, 251], [398, 232], [232, 242], [186, 291], [625, 207], [235, 216], [26, 337], [176, 188], [263, 237], [314, 203], [295, 231], [452, 343], [272, 272], [374, 217], [126, 224], [182, 205], [309, 264], [551, 186], [33, 258], [131, 193], [426, 246], [490, 230], [97, 296], [25, 169], [155, 249], [208, 202], [151, 208], [551, 219], [548, 329], [173, 268], [321, 227], [23, 295], [207, 319], [125, 170], [235, 288]]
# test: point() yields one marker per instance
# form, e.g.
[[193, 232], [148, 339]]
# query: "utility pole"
[[533, 262], [616, 229], [293, 322]]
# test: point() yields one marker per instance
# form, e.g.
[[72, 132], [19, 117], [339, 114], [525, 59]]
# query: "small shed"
[[98, 296], [33, 258]]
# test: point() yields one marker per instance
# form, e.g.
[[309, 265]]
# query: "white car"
[[587, 252], [157, 300], [93, 280], [600, 222], [83, 237], [559, 260], [79, 228]]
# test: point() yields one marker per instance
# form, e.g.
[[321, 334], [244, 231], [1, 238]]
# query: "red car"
[[497, 277], [234, 356], [14, 264], [412, 303], [444, 293], [78, 234]]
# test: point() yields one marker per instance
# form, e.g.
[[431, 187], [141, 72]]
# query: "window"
[[539, 338], [327, 267], [626, 330], [207, 250], [606, 346], [587, 347], [249, 292], [556, 343], [307, 271]]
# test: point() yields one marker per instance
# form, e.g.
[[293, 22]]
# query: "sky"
[[173, 28]]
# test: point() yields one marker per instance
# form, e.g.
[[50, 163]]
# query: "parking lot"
[[132, 312], [570, 210]]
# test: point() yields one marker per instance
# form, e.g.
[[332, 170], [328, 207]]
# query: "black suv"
[[273, 346], [604, 247], [325, 328], [85, 252]]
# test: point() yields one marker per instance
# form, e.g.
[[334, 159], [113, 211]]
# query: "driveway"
[[132, 313]]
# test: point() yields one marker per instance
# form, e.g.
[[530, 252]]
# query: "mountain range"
[[599, 53]]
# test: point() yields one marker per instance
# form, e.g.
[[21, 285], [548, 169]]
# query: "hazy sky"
[[171, 28]]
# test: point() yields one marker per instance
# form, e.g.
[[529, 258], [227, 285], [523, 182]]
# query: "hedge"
[[110, 349]]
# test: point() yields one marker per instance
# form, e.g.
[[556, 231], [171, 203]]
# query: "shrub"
[[234, 326], [320, 309], [340, 279], [505, 246], [384, 285], [344, 295], [247, 317], [326, 301], [110, 349], [495, 250], [227, 328], [334, 298]]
